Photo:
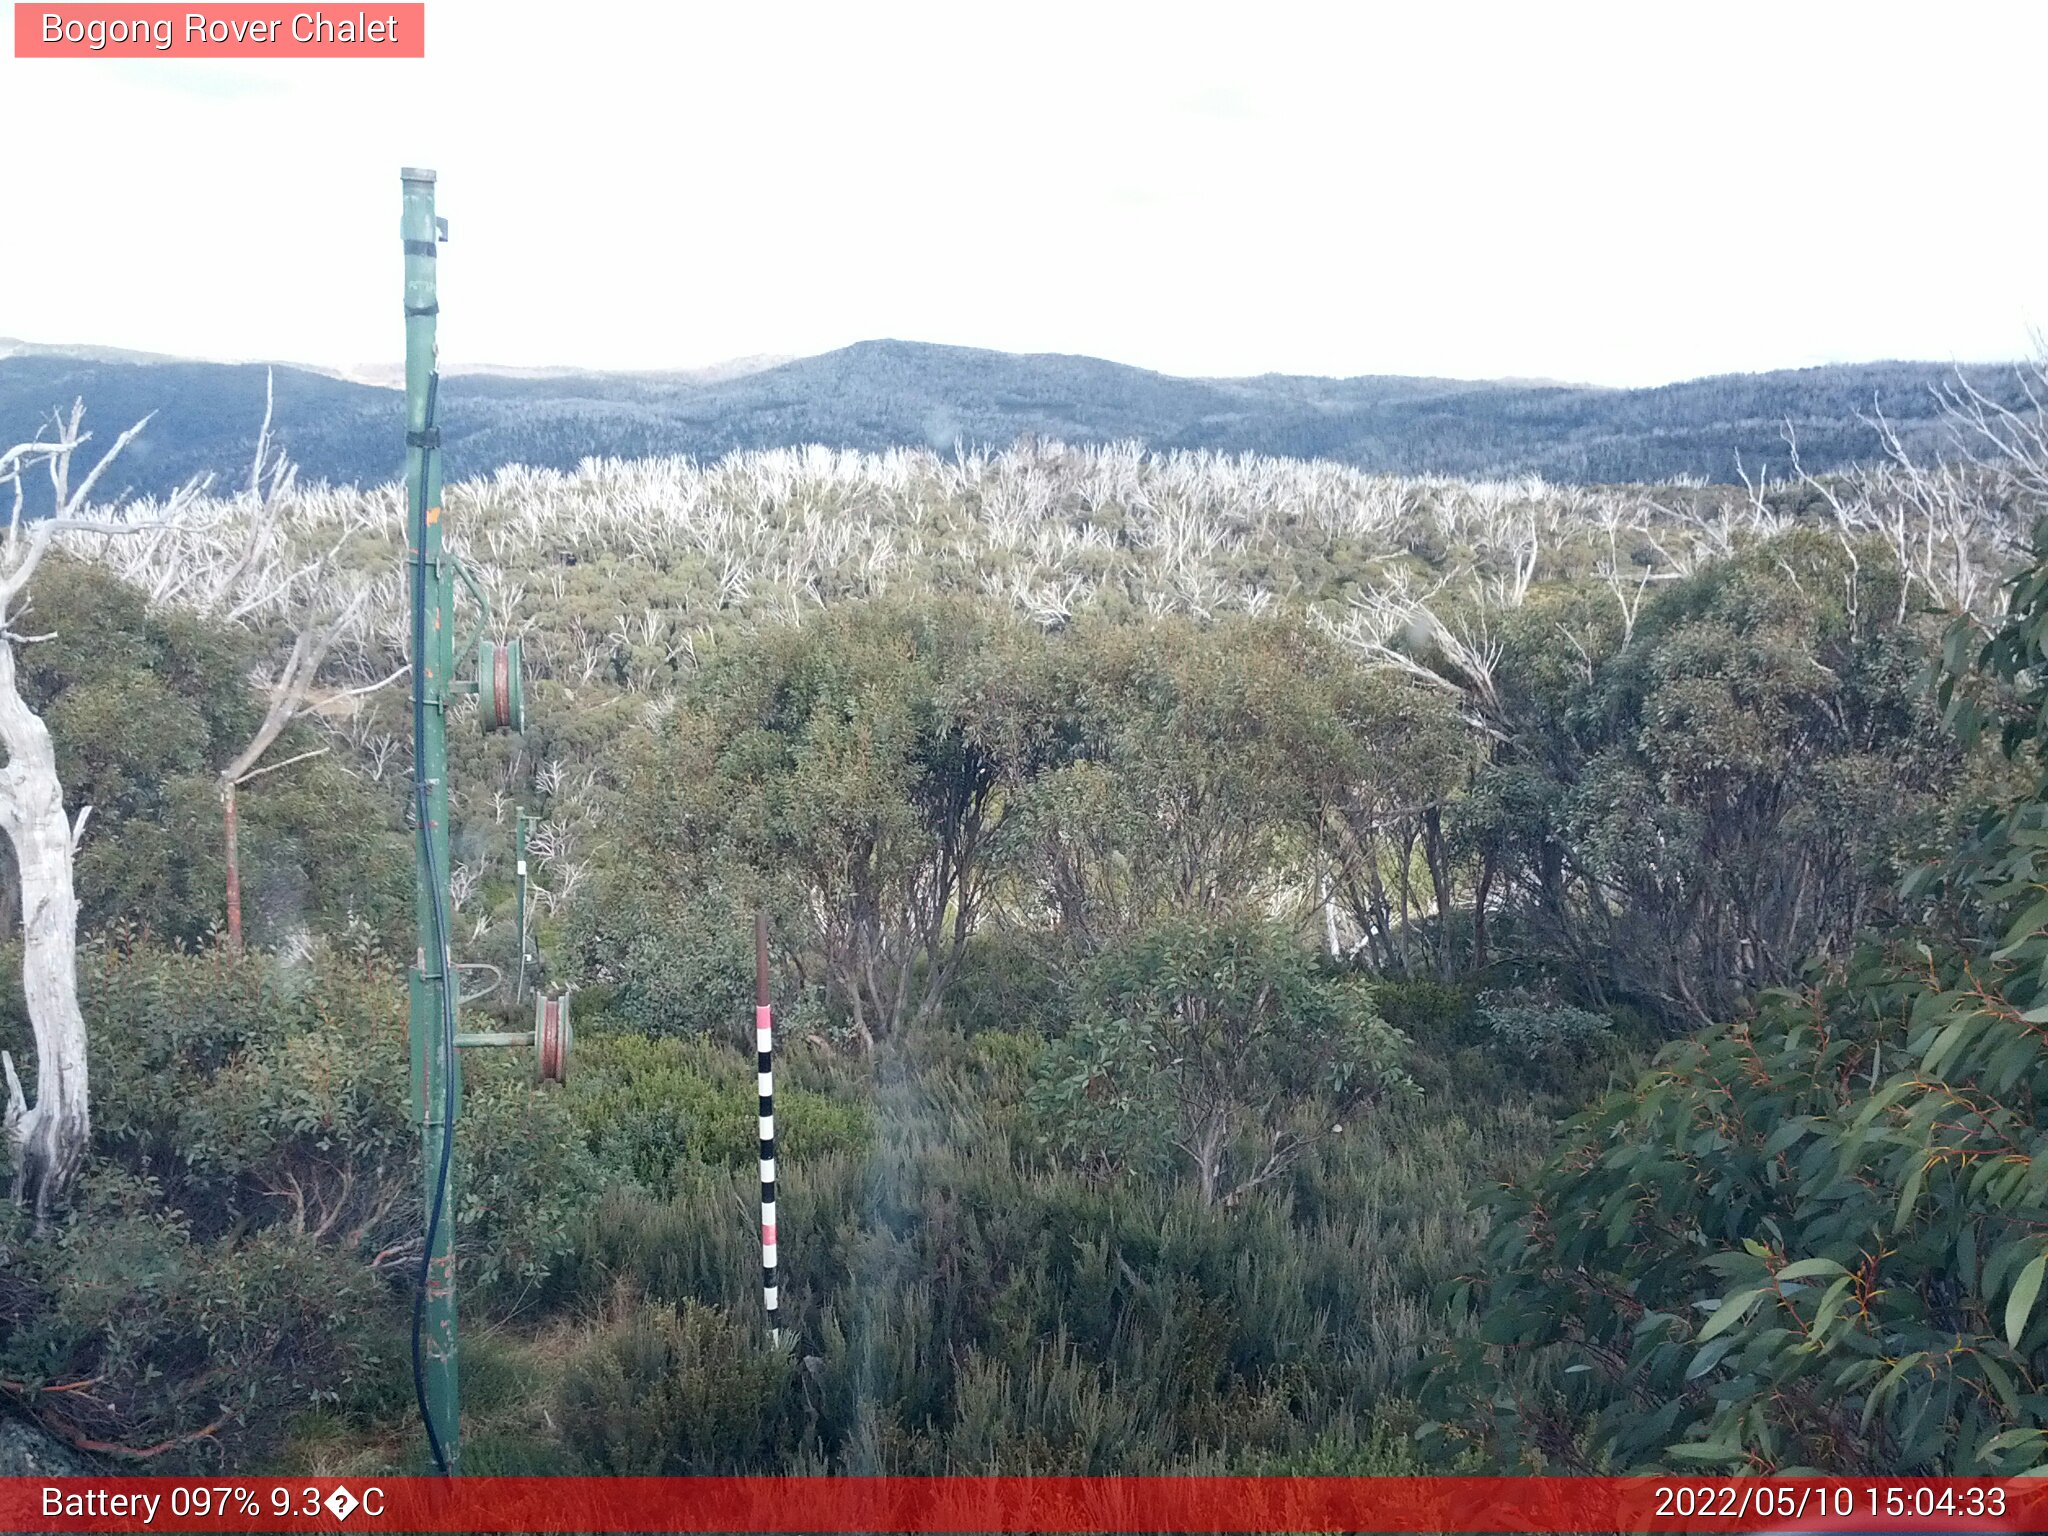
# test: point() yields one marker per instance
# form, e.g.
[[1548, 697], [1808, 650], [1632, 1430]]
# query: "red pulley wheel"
[[552, 1038], [501, 696]]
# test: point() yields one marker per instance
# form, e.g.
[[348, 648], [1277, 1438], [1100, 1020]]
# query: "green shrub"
[[1008, 981], [525, 1181], [1007, 1058], [644, 1106], [1059, 1416], [676, 1392], [1479, 1047], [253, 1090], [203, 1348], [145, 705], [1269, 1329], [258, 1092], [670, 964], [1220, 1043], [1437, 1016], [1812, 1238], [1536, 1031], [255, 1172], [1552, 1046]]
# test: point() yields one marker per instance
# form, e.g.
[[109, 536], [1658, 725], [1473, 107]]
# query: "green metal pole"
[[430, 587]]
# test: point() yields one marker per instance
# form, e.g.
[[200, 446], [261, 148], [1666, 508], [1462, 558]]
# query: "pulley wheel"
[[552, 1038], [501, 690]]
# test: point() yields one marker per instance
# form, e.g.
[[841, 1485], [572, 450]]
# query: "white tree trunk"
[[49, 1137]]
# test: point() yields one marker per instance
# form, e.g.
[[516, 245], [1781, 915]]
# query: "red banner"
[[374, 31], [1019, 1504]]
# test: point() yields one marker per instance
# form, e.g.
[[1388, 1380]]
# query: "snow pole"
[[764, 1066]]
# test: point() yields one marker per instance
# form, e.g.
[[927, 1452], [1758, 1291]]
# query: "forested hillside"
[[1279, 968], [888, 394]]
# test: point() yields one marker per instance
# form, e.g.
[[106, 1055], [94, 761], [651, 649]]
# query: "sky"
[[1625, 194]]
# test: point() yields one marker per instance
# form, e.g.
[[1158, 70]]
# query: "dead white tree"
[[1952, 524], [1393, 628], [48, 1138]]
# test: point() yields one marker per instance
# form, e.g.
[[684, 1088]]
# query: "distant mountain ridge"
[[882, 394]]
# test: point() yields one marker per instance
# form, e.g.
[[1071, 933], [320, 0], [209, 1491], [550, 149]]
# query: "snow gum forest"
[[1278, 968]]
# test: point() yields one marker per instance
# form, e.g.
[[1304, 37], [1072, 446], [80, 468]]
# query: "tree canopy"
[[1812, 1238]]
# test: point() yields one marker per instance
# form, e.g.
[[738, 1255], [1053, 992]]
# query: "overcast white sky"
[[1620, 194]]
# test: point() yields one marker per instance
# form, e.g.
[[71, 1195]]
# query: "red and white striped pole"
[[764, 1066]]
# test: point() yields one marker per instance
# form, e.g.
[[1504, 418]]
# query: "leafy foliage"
[[133, 1337], [676, 1393], [1217, 1044], [145, 707], [668, 962], [851, 775], [647, 1105], [959, 1302], [1813, 1238], [254, 1198], [1543, 1032], [1730, 788]]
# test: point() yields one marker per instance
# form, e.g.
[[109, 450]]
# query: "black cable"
[[426, 831]]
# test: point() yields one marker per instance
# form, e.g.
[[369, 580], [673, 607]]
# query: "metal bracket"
[[462, 574], [497, 980], [496, 1037]]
